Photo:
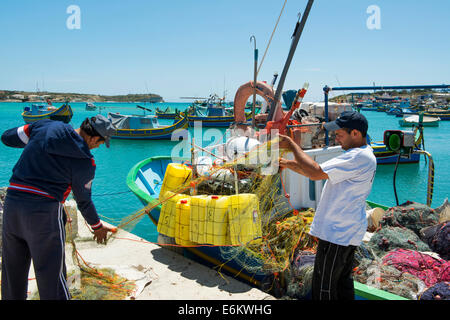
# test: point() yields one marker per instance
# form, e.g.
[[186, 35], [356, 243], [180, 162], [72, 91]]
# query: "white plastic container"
[[317, 109], [305, 193], [71, 209]]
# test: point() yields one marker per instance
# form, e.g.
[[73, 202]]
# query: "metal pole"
[[254, 81], [326, 89], [297, 33]]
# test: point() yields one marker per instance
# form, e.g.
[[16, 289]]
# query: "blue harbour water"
[[114, 201]]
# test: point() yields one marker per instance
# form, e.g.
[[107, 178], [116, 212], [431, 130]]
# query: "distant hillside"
[[413, 95], [24, 96]]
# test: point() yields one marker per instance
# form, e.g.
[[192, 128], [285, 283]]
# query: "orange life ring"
[[245, 91]]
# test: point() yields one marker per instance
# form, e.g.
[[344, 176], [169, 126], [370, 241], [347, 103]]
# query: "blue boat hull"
[[64, 113], [384, 156], [150, 134]]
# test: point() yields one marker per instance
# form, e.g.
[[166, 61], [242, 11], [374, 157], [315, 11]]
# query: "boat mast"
[[296, 36]]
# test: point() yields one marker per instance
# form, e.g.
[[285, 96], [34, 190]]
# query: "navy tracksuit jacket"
[[55, 160]]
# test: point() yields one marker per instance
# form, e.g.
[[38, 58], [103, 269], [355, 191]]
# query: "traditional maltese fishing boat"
[[143, 127], [90, 106], [211, 116], [168, 113], [413, 120], [38, 112]]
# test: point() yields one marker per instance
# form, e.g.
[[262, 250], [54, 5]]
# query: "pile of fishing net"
[[301, 273], [439, 291], [96, 284], [408, 253], [429, 269], [376, 274], [99, 284], [438, 238], [411, 215], [413, 226], [390, 238]]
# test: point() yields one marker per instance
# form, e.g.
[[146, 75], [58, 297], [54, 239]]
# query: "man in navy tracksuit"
[[56, 159]]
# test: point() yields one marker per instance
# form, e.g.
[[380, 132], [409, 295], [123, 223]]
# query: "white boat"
[[414, 120]]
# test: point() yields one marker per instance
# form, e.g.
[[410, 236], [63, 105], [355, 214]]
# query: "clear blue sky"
[[181, 48]]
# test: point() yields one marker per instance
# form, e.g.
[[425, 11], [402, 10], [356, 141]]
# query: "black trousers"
[[332, 276], [33, 229]]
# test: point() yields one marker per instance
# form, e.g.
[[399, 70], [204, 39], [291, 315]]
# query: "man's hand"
[[285, 142], [283, 163], [100, 235]]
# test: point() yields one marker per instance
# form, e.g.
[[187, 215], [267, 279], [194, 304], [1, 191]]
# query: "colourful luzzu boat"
[[143, 127], [166, 114], [211, 116], [63, 113]]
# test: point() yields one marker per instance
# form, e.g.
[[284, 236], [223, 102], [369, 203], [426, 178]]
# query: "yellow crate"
[[166, 222], [244, 218], [216, 220], [197, 218], [182, 222], [177, 177]]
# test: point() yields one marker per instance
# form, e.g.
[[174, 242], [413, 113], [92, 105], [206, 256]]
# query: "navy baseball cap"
[[349, 119], [103, 126]]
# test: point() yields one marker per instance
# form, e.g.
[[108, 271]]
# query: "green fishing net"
[[411, 215], [390, 238]]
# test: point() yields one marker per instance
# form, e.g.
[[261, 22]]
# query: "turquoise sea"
[[114, 201]]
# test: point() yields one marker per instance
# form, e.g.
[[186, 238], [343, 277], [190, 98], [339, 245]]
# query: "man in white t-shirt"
[[340, 220]]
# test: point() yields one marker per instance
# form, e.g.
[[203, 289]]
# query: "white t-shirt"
[[341, 214]]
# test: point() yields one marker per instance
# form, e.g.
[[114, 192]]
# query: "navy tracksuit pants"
[[332, 276], [33, 229]]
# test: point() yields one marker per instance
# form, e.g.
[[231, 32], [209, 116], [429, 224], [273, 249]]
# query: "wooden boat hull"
[[64, 113], [150, 134], [145, 180]]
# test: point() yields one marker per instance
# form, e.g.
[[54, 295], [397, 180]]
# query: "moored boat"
[[386, 156], [440, 113], [90, 106], [168, 113], [143, 127], [63, 113], [211, 116], [413, 120]]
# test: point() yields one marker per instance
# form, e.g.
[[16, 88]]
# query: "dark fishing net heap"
[[390, 238], [439, 291], [411, 215], [301, 271], [438, 238]]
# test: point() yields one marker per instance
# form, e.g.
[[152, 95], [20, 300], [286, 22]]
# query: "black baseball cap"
[[349, 119], [103, 126]]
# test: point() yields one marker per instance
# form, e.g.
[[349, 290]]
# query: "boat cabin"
[[134, 121]]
